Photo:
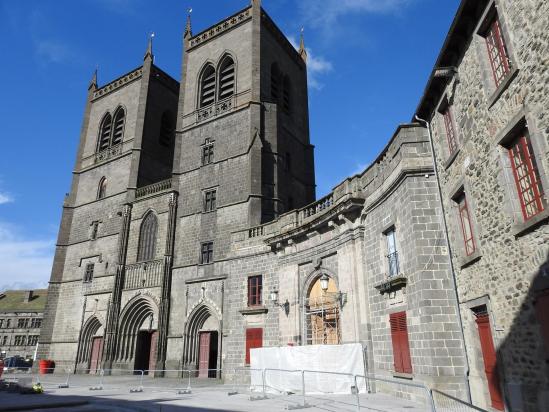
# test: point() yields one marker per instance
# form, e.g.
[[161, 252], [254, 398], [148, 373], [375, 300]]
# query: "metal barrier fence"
[[257, 384], [28, 376], [448, 403]]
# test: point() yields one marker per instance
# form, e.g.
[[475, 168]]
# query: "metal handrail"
[[461, 402]]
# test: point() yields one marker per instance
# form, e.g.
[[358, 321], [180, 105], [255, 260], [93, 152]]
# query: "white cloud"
[[5, 198], [53, 51], [326, 12], [316, 66], [24, 262]]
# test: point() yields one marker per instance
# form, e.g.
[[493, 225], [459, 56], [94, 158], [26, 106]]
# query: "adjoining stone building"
[[488, 116], [191, 233], [21, 313]]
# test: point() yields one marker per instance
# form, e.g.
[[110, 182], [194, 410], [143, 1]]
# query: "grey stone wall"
[[502, 272]]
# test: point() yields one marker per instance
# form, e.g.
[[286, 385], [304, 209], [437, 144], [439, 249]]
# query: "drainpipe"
[[433, 157]]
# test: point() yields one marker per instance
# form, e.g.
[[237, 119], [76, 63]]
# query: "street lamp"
[[274, 300]]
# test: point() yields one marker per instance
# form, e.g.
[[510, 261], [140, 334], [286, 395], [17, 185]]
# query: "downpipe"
[[452, 269]]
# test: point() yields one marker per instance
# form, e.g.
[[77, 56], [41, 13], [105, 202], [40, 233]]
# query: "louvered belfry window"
[[207, 86], [526, 174], [226, 78], [118, 130], [401, 346], [147, 238], [105, 133], [497, 51], [286, 95]]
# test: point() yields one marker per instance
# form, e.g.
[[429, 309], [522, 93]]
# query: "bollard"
[[188, 390], [100, 386], [357, 390], [140, 387]]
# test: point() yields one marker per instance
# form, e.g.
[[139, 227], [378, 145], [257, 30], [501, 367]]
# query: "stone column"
[[113, 311], [164, 310]]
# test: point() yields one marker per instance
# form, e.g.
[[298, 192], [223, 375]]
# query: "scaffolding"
[[322, 321]]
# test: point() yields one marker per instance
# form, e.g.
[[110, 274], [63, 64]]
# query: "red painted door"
[[154, 349], [95, 357], [489, 355], [204, 354], [254, 339]]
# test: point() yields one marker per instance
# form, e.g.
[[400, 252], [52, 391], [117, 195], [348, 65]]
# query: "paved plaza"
[[167, 394]]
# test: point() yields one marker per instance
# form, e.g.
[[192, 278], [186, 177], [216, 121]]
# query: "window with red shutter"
[[255, 288], [466, 226], [401, 346], [526, 175], [497, 51], [254, 339], [450, 130]]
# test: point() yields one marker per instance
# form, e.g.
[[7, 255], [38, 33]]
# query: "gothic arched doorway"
[[202, 342], [138, 334], [91, 346], [321, 310]]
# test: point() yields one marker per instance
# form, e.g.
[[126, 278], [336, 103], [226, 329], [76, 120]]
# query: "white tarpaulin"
[[345, 359]]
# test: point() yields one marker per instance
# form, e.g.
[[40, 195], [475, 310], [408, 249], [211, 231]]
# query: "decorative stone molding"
[[108, 153], [154, 188], [116, 84], [143, 275], [221, 27], [392, 283]]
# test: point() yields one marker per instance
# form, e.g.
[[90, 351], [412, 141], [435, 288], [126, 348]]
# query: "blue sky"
[[369, 61]]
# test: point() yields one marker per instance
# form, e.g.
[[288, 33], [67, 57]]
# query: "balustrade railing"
[[154, 188], [215, 109], [255, 231], [143, 275], [108, 153], [317, 207]]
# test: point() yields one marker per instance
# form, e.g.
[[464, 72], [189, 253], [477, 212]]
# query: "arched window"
[[102, 188], [105, 133], [287, 95], [118, 130], [166, 129], [207, 86], [275, 80], [226, 78], [322, 307], [147, 238]]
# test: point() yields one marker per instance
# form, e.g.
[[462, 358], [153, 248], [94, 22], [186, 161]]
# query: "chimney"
[[28, 296]]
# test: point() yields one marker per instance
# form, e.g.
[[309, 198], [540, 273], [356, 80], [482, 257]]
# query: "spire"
[[149, 52], [188, 29], [256, 3], [302, 51], [93, 81]]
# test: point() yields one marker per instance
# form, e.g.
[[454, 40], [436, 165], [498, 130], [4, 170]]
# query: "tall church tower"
[[243, 131]]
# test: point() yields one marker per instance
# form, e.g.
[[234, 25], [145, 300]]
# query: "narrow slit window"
[[88, 274], [207, 152], [102, 188], [526, 174], [287, 95], [226, 78], [210, 200], [275, 79], [206, 253]]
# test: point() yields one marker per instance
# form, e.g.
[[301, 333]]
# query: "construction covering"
[[283, 366]]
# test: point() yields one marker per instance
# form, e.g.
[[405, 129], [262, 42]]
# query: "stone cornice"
[[118, 83], [221, 27]]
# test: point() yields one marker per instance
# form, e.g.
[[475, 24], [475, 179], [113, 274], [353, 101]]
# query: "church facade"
[[192, 232]]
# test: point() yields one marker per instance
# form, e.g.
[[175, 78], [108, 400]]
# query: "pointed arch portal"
[[202, 342], [138, 334]]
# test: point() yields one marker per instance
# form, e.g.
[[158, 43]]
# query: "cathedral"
[[192, 232]]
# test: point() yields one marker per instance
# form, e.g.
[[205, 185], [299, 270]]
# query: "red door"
[[489, 355], [154, 349], [204, 354], [254, 339], [95, 357]]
